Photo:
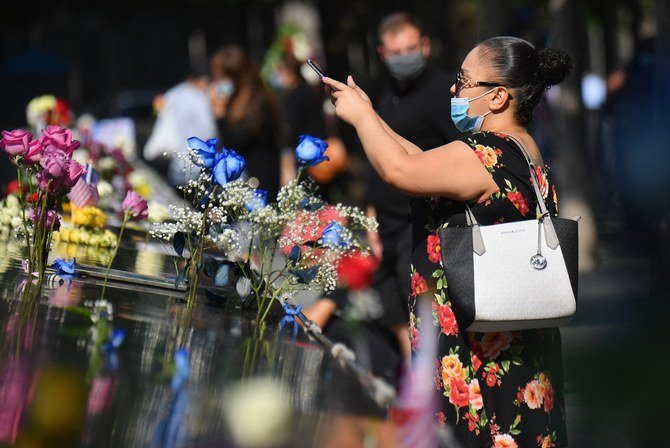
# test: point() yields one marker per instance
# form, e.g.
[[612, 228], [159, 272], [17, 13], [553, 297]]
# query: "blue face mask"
[[460, 117]]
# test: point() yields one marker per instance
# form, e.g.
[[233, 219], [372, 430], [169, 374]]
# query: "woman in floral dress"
[[496, 389]]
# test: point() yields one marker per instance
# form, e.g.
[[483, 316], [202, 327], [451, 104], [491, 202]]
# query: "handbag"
[[512, 276]]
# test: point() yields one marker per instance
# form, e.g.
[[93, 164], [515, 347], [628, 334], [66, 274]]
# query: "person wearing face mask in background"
[[416, 104], [183, 111], [247, 115]]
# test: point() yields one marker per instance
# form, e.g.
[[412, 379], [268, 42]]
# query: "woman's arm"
[[410, 147], [451, 170]]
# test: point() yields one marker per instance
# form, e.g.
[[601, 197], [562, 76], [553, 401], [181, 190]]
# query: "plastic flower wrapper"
[[280, 247]]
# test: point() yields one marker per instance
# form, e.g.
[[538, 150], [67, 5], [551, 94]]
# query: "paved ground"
[[616, 350]]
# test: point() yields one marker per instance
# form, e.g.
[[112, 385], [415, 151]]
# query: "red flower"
[[441, 419], [355, 270], [433, 248], [491, 379], [459, 394], [519, 395], [476, 362], [418, 284], [415, 338], [473, 419], [447, 319], [548, 400], [519, 202], [12, 187], [32, 199]]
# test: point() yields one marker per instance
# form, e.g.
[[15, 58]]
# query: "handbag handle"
[[542, 211]]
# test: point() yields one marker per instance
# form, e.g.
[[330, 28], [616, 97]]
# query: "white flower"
[[258, 413]]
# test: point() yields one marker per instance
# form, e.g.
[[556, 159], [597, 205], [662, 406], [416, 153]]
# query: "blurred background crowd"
[[235, 70], [119, 61]]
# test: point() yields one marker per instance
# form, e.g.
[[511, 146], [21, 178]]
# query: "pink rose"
[[532, 394], [55, 162], [504, 441], [34, 154], [59, 137], [135, 206], [16, 142], [75, 171], [494, 343], [52, 219]]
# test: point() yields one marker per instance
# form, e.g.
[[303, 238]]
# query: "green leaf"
[[439, 283], [79, 310], [505, 365], [517, 361], [437, 273], [514, 432]]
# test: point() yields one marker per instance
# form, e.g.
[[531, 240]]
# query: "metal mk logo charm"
[[538, 262]]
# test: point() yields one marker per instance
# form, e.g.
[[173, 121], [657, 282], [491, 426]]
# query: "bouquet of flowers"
[[275, 249], [47, 110], [46, 164]]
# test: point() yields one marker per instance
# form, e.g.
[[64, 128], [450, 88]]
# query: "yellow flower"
[[487, 155], [89, 217], [452, 368]]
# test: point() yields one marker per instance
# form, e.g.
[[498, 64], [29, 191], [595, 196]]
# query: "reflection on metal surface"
[[127, 399]]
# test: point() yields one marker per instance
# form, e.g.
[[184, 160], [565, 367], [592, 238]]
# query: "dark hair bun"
[[555, 66]]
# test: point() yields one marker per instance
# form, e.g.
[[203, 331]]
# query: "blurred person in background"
[[183, 111], [416, 104], [300, 107], [247, 115], [494, 389]]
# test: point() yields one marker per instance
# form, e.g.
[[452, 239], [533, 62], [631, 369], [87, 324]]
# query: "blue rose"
[[228, 166], [333, 237], [206, 150], [66, 270], [310, 151], [258, 200], [63, 267]]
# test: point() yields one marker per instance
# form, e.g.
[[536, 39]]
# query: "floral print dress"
[[496, 389]]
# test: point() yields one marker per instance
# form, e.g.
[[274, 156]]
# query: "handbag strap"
[[541, 210]]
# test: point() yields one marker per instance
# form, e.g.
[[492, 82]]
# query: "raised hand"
[[352, 105]]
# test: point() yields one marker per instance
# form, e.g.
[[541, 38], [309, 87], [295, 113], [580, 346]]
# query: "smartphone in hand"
[[318, 71]]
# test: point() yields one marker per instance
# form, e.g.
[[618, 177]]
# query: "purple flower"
[[135, 206], [75, 171], [46, 182], [34, 154], [59, 137], [51, 218], [16, 142], [56, 162], [310, 151], [228, 167]]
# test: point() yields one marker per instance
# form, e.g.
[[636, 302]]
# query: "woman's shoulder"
[[486, 137]]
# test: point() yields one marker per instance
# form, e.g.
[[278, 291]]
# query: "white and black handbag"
[[512, 276]]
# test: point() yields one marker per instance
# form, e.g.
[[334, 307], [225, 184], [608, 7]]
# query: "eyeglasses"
[[464, 83]]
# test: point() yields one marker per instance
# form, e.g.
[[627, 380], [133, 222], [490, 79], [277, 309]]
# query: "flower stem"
[[126, 217]]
